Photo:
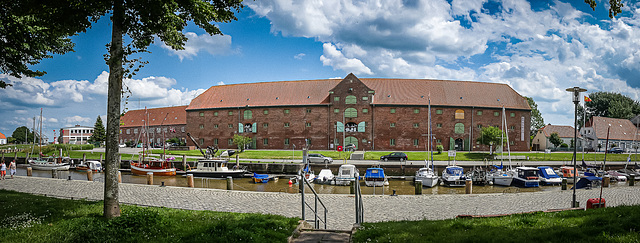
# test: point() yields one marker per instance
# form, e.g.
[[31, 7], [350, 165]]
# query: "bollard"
[[149, 178], [352, 187], [184, 162], [54, 173], [468, 186], [29, 171], [564, 184], [119, 177], [190, 180], [418, 185], [89, 175], [606, 180], [632, 180], [229, 183]]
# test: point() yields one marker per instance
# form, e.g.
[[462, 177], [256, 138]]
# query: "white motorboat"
[[375, 177], [325, 177], [216, 168], [527, 177], [346, 174], [427, 176], [90, 165], [453, 176], [548, 176]]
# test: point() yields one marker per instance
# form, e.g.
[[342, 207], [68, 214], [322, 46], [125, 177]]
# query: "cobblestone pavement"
[[341, 208]]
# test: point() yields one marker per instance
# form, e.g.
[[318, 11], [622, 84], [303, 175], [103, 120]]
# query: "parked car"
[[350, 147], [616, 150], [319, 158], [395, 156], [122, 145]]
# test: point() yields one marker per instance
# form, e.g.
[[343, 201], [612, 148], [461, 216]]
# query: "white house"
[[541, 140], [3, 139], [622, 133]]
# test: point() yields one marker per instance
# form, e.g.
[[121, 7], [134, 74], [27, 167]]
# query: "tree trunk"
[[111, 191]]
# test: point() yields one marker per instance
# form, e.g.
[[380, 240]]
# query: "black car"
[[616, 150], [394, 156]]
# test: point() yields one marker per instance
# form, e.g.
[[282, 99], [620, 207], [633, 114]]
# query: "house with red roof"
[[541, 140], [154, 125], [621, 133], [370, 113], [3, 139]]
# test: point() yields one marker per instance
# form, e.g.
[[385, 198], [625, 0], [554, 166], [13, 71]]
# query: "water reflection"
[[401, 187]]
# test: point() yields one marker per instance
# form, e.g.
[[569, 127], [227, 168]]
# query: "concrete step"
[[357, 155], [322, 236]]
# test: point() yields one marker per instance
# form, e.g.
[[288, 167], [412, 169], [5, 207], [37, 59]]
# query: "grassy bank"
[[30, 218], [619, 224]]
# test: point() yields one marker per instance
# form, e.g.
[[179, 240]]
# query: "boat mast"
[[40, 135], [507, 132]]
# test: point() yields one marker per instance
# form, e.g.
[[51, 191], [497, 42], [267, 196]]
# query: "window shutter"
[[466, 145], [361, 126], [240, 128], [340, 127], [452, 144], [254, 127]]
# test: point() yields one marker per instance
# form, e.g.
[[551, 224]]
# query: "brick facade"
[[351, 106]]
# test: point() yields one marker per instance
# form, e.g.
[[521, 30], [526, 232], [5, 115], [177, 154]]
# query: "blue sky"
[[539, 48]]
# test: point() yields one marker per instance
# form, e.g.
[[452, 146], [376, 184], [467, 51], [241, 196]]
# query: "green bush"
[[66, 147], [440, 148], [564, 145]]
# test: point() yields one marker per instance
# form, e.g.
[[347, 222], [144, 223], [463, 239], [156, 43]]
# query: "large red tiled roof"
[[621, 129], [174, 116], [563, 131], [387, 92]]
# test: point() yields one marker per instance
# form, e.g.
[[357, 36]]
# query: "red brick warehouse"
[[372, 113]]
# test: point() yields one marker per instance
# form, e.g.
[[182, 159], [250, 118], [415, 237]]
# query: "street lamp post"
[[576, 99]]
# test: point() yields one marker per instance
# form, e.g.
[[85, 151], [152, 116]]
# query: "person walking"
[[3, 170], [12, 168]]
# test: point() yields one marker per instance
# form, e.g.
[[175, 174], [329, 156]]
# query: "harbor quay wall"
[[340, 207]]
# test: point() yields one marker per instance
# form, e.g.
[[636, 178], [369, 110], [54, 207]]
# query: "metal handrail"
[[317, 220]]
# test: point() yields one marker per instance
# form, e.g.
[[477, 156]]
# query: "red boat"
[[158, 167]]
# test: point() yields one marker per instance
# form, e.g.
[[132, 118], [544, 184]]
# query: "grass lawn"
[[31, 218], [619, 224]]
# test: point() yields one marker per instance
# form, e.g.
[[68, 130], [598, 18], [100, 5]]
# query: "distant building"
[[622, 133], [162, 123], [75, 135], [3, 139], [541, 140]]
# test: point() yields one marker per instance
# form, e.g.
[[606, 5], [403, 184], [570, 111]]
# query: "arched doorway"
[[351, 140], [459, 144]]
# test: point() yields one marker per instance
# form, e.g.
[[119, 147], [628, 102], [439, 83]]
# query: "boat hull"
[[525, 183], [344, 181], [428, 181], [156, 172], [375, 182], [50, 167], [218, 174], [502, 181], [551, 181], [453, 182]]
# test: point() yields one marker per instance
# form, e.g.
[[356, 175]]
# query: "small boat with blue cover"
[[375, 177], [453, 176], [260, 178], [548, 176]]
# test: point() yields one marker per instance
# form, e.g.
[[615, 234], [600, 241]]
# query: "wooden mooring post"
[[229, 183], [564, 184], [352, 187], [184, 162], [149, 178], [468, 186], [90, 175], [418, 185], [29, 171], [101, 158], [84, 158], [190, 180], [54, 173], [632, 180], [119, 177]]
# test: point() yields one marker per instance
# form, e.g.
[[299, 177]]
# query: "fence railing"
[[317, 220]]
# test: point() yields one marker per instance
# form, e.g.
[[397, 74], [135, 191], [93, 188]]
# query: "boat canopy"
[[260, 176], [586, 181], [374, 173], [454, 170], [547, 172]]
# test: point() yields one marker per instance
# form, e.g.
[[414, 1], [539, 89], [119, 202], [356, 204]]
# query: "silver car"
[[319, 158]]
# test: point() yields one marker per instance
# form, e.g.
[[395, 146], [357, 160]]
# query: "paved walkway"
[[341, 207]]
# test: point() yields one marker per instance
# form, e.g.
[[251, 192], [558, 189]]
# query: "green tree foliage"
[[241, 142], [555, 139], [609, 104], [33, 30], [23, 135], [615, 6], [177, 141], [537, 121], [491, 136], [99, 134]]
